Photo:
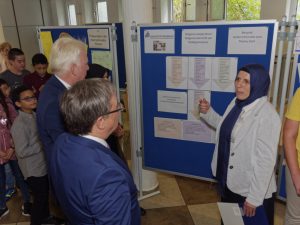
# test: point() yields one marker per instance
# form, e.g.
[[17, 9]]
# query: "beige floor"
[[182, 201]]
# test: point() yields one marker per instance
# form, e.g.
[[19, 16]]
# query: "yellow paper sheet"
[[47, 42], [103, 58]]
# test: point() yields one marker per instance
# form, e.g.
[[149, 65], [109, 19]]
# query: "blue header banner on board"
[[180, 64]]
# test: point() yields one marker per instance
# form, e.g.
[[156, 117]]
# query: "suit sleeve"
[[110, 199]]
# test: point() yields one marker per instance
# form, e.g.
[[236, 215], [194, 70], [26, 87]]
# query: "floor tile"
[[169, 194], [205, 214], [14, 205], [168, 216], [197, 191]]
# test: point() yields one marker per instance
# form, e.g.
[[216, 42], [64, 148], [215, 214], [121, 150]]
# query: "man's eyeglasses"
[[119, 109], [28, 99]]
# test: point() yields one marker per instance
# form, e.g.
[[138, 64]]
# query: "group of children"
[[20, 147]]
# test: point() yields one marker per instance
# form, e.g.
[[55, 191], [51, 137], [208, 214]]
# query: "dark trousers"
[[40, 192], [268, 204]]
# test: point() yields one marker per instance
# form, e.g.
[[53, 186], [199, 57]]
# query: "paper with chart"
[[159, 41], [172, 101], [224, 70], [199, 73], [196, 131], [167, 128], [193, 102], [176, 72]]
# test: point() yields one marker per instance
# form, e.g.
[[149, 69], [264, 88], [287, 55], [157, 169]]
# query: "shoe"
[[53, 220], [3, 212], [9, 193], [143, 211], [26, 209]]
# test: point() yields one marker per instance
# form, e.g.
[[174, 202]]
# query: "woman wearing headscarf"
[[247, 138]]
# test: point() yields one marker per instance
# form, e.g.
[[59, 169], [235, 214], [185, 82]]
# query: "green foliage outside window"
[[178, 10], [298, 11], [243, 9]]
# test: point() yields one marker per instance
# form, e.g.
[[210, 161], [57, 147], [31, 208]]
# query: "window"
[[298, 11], [243, 9], [102, 12], [178, 12], [72, 14]]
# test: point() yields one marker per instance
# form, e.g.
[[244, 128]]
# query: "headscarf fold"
[[259, 86]]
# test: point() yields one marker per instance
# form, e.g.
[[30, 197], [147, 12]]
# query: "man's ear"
[[100, 123], [73, 69]]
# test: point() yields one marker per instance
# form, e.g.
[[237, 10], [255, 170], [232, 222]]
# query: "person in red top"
[[39, 77]]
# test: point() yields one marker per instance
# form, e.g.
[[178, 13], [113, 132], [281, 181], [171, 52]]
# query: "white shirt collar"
[[99, 140], [68, 86]]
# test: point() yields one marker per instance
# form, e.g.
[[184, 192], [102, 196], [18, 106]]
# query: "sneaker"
[[53, 220], [9, 193], [26, 209], [3, 212]]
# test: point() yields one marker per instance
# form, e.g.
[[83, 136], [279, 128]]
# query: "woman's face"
[[242, 85]]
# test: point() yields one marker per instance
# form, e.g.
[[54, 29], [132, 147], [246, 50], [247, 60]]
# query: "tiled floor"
[[182, 201], [188, 201]]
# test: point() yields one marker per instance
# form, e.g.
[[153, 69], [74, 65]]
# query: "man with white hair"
[[69, 64]]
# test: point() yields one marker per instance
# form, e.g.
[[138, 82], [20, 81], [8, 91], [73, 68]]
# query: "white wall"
[[2, 38], [272, 9], [88, 11], [113, 11]]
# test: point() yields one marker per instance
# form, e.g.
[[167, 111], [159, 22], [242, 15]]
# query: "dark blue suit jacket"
[[92, 184], [49, 120]]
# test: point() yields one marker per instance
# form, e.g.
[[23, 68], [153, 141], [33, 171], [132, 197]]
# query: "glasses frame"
[[119, 109], [28, 99]]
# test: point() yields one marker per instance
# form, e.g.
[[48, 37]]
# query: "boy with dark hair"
[[16, 72], [30, 155], [40, 76]]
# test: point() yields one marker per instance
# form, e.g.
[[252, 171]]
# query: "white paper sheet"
[[98, 38], [177, 72], [193, 103], [247, 40], [297, 43], [199, 73], [231, 213], [199, 41], [196, 131], [160, 41], [167, 128], [224, 71], [171, 101]]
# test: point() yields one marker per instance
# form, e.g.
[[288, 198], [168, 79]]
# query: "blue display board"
[[190, 158], [81, 33]]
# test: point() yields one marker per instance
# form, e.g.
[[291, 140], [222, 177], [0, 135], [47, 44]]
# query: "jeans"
[[19, 180], [10, 179]]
